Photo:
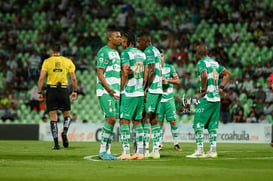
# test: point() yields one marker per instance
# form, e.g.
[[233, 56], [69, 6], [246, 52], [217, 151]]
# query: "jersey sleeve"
[[71, 67], [200, 67], [102, 60], [221, 68], [173, 71], [124, 57], [150, 58], [45, 66]]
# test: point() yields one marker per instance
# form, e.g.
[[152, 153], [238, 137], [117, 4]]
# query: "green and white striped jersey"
[[153, 56], [108, 59], [136, 59], [168, 71], [213, 71]]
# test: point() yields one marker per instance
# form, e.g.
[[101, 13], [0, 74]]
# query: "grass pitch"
[[34, 160]]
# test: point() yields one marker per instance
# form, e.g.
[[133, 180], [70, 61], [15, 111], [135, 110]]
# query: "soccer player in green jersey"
[[167, 105], [208, 110], [132, 95], [108, 89], [153, 91]]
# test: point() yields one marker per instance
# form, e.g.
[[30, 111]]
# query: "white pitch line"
[[246, 158], [90, 158]]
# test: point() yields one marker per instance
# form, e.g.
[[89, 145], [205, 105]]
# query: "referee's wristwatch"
[[40, 93], [75, 91]]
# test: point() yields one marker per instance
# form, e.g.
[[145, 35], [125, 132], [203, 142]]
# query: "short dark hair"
[[111, 29], [160, 50], [144, 34], [55, 47], [130, 38]]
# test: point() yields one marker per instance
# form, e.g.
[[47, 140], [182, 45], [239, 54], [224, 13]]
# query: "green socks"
[[125, 138], [106, 133], [174, 130], [147, 132], [155, 137], [139, 138], [161, 132], [199, 137], [212, 139]]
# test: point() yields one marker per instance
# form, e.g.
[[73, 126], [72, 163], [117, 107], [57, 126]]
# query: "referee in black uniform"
[[56, 68]]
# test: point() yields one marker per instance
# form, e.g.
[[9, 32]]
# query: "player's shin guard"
[[147, 132], [139, 138], [174, 130], [54, 131], [125, 138], [199, 138], [105, 135], [155, 137], [212, 139], [67, 121]]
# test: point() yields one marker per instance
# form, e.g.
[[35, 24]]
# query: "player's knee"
[[111, 120], [173, 122], [66, 114], [154, 121], [136, 122], [124, 121], [160, 122]]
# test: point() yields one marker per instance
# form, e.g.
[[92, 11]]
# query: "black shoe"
[[56, 147], [65, 141], [177, 147]]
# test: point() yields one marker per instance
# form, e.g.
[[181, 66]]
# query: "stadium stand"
[[239, 35]]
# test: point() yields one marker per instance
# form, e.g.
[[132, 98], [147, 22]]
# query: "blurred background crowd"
[[238, 33]]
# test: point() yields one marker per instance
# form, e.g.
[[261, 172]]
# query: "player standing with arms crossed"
[[108, 89], [132, 96], [208, 110], [153, 91], [167, 105], [57, 96]]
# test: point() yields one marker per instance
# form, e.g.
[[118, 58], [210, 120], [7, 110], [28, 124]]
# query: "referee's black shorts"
[[57, 99]]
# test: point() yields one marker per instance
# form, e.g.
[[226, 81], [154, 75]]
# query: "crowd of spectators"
[[65, 19]]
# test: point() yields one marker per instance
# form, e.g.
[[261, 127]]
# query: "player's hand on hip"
[[130, 71], [221, 91], [40, 97], [73, 96], [113, 93], [164, 80], [202, 95]]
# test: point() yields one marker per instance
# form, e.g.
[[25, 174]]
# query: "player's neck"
[[112, 46], [55, 54]]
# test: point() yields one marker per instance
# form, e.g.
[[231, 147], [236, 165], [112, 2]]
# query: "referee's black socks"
[[54, 131], [67, 121]]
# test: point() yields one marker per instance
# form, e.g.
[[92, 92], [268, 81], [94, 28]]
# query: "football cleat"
[[160, 147], [177, 147], [65, 140], [197, 154], [56, 147], [154, 155], [104, 156], [212, 154]]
